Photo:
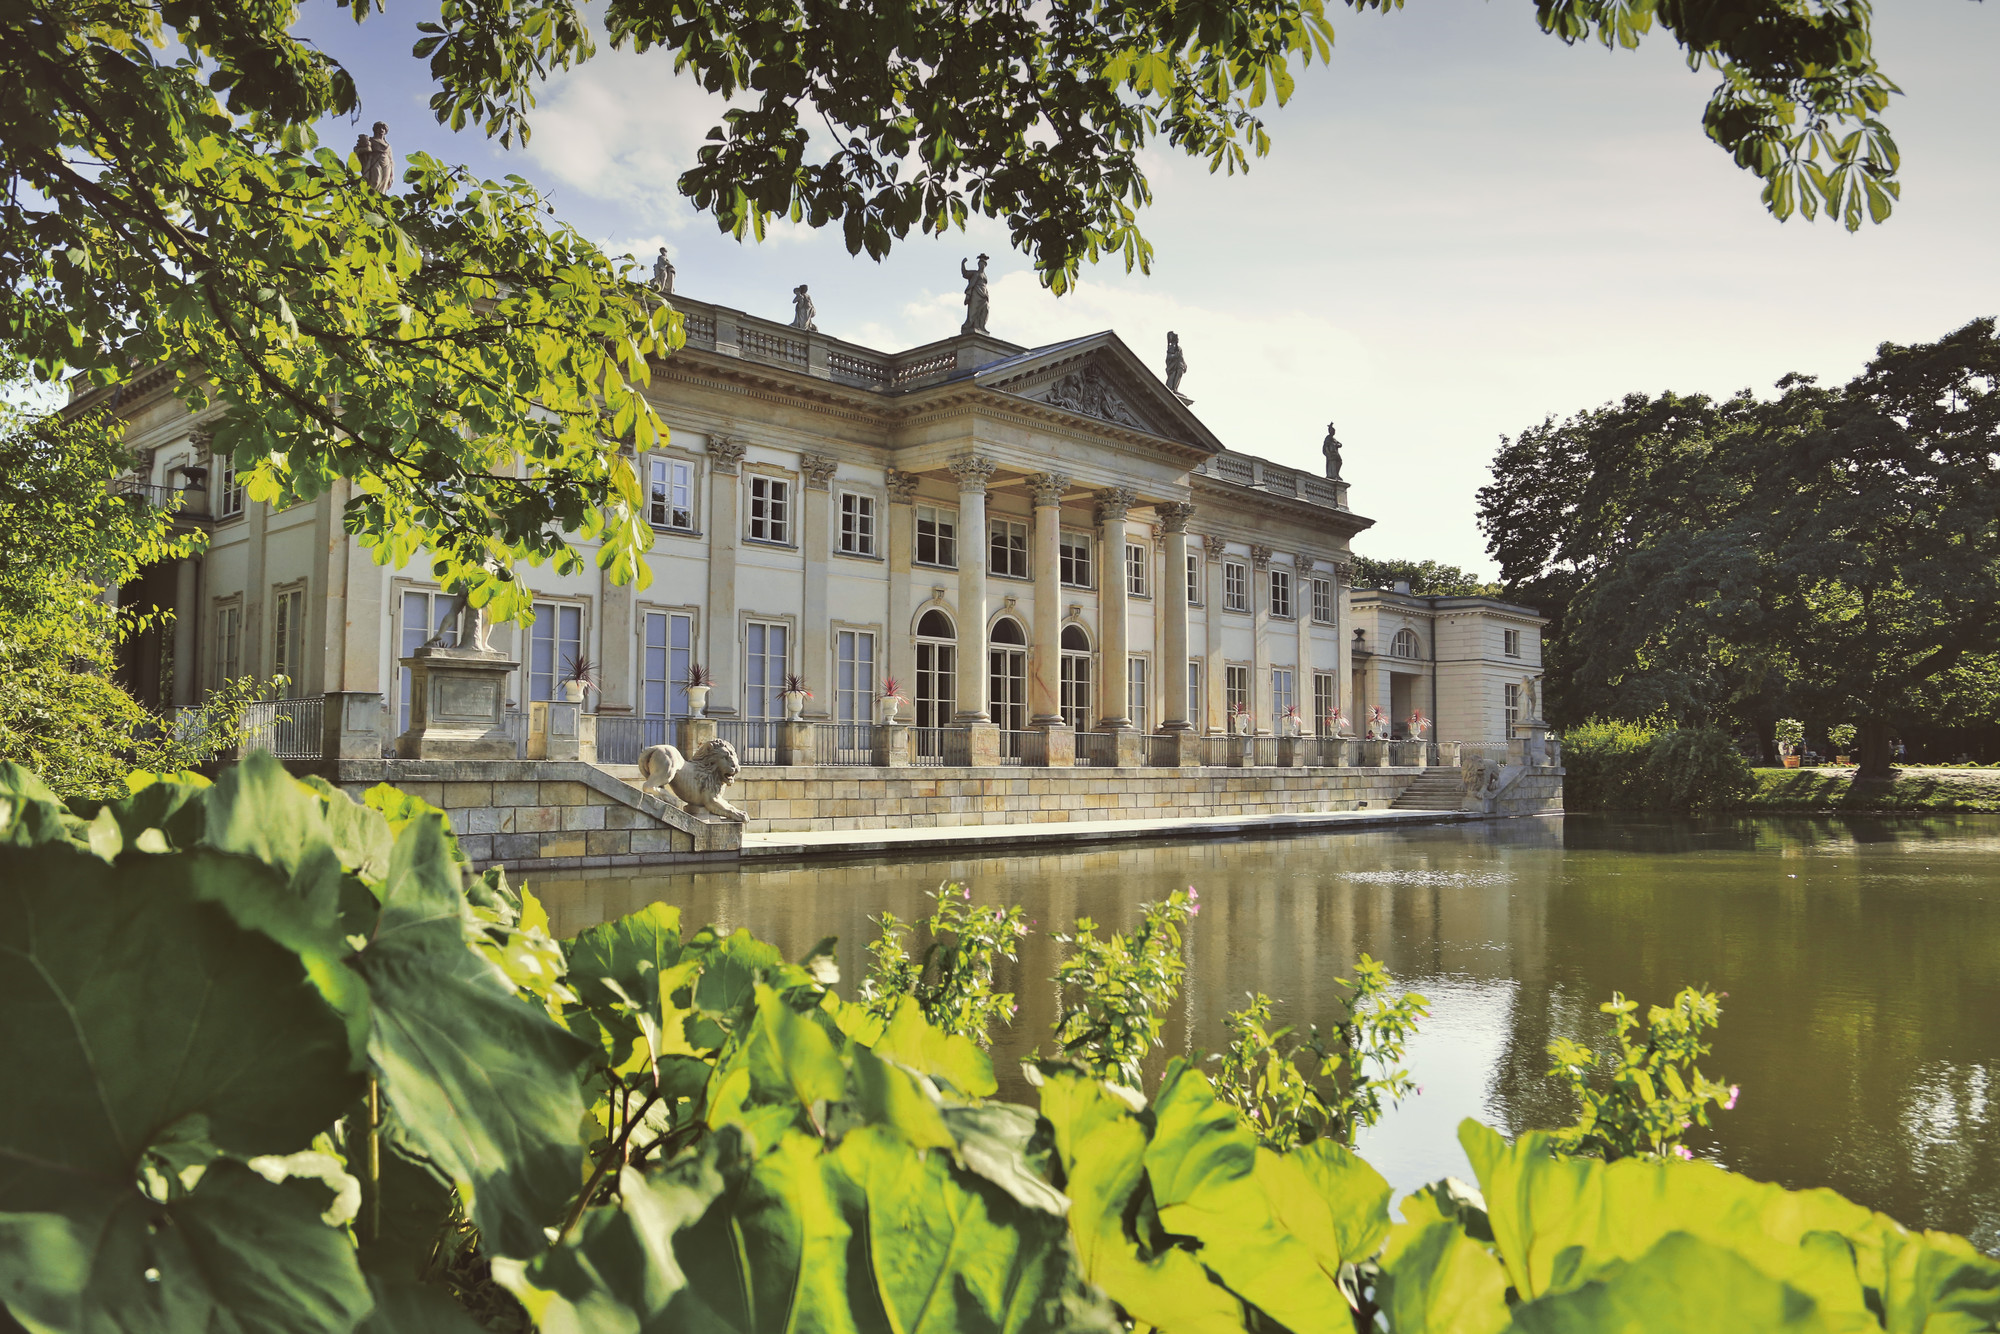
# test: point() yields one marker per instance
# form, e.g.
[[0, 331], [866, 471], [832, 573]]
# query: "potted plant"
[[795, 696], [1843, 737], [1294, 727], [892, 699], [1417, 724], [1378, 723], [1790, 734], [579, 675], [1336, 721], [1239, 720], [700, 682]]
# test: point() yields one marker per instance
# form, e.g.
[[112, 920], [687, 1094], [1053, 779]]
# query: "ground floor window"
[[766, 659], [1284, 696], [1075, 702], [288, 640], [854, 676], [1513, 707], [1325, 701], [937, 674], [1235, 692], [423, 615], [1197, 711], [665, 655], [1008, 686], [229, 644], [555, 646], [1138, 697]]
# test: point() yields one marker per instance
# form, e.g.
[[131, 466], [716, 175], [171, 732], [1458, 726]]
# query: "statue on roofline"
[[1176, 362], [975, 296]]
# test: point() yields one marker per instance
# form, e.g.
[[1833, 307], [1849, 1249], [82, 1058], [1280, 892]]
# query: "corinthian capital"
[[1114, 503], [972, 472], [1261, 557], [1174, 517], [726, 455], [819, 470], [1215, 546], [902, 487], [1048, 488]]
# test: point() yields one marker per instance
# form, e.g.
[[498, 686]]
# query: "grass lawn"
[[1910, 790]]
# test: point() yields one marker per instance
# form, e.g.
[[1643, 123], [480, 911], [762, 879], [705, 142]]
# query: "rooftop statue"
[[1176, 362], [975, 296], [378, 164], [1331, 448], [663, 274], [803, 310]]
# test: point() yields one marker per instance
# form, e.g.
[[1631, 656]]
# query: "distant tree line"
[[1828, 553]]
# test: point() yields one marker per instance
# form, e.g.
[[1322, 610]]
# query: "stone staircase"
[[1438, 788]]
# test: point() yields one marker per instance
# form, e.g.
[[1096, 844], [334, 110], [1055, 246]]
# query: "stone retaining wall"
[[1537, 792], [791, 800]]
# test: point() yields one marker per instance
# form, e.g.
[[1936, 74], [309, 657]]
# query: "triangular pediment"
[[1099, 377]]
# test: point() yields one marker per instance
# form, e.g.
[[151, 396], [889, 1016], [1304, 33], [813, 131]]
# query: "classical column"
[[1114, 703], [815, 659], [187, 628], [1045, 658], [1212, 675], [725, 526], [1343, 685], [1303, 570], [1173, 604], [902, 662], [617, 643], [1260, 647], [972, 473]]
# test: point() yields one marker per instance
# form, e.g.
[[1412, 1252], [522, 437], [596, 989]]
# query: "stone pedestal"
[[1369, 754], [1292, 752], [1535, 742], [696, 733], [892, 745], [1448, 753], [559, 730], [982, 744], [1059, 742], [795, 741], [1188, 746], [353, 725], [1242, 751], [1334, 751], [458, 706], [1130, 744]]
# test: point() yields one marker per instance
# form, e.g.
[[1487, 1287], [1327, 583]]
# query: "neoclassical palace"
[[1048, 539]]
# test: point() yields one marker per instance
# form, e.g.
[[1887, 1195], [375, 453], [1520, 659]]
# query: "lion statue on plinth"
[[697, 780]]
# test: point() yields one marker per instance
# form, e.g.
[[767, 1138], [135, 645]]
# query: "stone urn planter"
[[892, 708], [1239, 723], [698, 700], [573, 691], [795, 704]]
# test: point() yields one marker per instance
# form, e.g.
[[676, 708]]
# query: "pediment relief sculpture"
[[1088, 390]]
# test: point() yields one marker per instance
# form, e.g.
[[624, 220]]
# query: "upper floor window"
[[1194, 579], [1235, 586], [1281, 592], [1404, 645], [1135, 569], [671, 503], [228, 493], [555, 643], [857, 524], [1010, 549], [770, 509], [1073, 559], [937, 536], [1323, 601], [1510, 641]]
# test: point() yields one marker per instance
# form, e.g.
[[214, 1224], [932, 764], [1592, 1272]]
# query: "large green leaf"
[[1681, 1285], [790, 1057], [1437, 1280], [1101, 1146], [1202, 1163], [958, 1061], [483, 1083], [1928, 1282], [1327, 1197]]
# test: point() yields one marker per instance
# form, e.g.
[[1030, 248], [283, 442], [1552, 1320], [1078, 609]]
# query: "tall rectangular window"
[[671, 504], [665, 654], [1513, 707], [937, 537], [1325, 700], [555, 644], [1135, 569], [1281, 592], [1235, 586], [228, 643], [1010, 549], [764, 665], [854, 677], [1284, 692], [1510, 641], [1235, 690], [857, 524], [1194, 579], [288, 640], [1073, 559], [228, 494], [1323, 601], [1197, 709], [423, 615], [770, 509], [1138, 694]]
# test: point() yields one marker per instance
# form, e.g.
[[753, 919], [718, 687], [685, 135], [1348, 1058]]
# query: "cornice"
[[1222, 496]]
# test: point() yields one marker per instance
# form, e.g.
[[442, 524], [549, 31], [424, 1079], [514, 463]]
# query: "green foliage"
[[952, 981], [1612, 765], [1122, 986], [1321, 1089], [1424, 577], [1841, 736], [1789, 733], [1652, 1092]]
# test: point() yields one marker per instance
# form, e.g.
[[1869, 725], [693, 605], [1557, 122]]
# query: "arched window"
[[1006, 630], [1007, 681], [1075, 700], [937, 670], [1404, 645]]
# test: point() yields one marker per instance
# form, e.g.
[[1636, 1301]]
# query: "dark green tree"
[[1423, 576]]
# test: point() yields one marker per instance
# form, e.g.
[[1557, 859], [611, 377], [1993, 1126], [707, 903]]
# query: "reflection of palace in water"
[[1860, 962]]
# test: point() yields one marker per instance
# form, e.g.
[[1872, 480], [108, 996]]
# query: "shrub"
[[1612, 765], [1654, 1093], [952, 981], [1842, 736]]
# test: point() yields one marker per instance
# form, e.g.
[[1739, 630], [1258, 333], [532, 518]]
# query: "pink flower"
[[1682, 1151], [1730, 1106]]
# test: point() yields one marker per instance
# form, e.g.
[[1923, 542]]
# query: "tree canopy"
[[1424, 577], [472, 368], [1842, 544]]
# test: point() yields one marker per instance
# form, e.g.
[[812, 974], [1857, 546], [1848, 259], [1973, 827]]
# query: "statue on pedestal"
[[803, 310], [1330, 447], [1176, 362], [378, 164], [975, 296], [663, 274], [467, 623]]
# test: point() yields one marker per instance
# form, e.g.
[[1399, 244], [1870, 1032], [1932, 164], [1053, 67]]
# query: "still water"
[[1861, 962]]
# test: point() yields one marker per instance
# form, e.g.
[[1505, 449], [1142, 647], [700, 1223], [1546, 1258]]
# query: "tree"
[[1424, 577], [1847, 539], [446, 352]]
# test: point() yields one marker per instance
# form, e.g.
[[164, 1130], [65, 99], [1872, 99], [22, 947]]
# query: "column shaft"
[[972, 474], [187, 628], [901, 648], [1045, 659], [1212, 680], [1172, 602], [816, 537], [1260, 640], [725, 465], [1114, 702]]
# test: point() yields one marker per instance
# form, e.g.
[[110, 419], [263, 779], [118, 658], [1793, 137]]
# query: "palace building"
[[1046, 538]]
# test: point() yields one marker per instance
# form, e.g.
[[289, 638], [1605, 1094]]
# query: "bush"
[[1614, 765]]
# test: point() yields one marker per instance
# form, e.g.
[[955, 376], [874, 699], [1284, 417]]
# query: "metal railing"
[[621, 740], [755, 739], [940, 746], [1163, 750], [1024, 747], [843, 743], [1096, 749], [290, 729]]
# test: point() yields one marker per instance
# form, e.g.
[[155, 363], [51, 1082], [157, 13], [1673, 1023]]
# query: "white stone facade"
[[851, 515], [1473, 665]]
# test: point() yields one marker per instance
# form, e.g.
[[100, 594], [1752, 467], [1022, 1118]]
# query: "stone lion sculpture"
[[697, 780], [1482, 782]]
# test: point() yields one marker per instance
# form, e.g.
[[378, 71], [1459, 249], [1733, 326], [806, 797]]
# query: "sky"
[[1463, 227]]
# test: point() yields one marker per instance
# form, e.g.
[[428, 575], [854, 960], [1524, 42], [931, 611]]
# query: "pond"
[[1861, 962]]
